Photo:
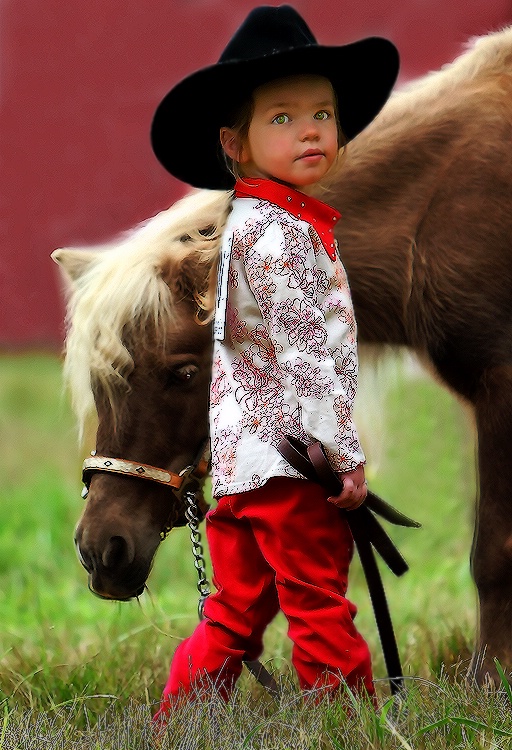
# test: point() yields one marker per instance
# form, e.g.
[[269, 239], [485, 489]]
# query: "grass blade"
[[504, 679], [4, 726]]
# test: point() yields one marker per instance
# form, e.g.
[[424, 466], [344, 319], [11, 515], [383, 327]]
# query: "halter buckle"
[[187, 477]]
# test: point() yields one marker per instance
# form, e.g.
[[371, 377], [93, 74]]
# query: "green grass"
[[83, 672]]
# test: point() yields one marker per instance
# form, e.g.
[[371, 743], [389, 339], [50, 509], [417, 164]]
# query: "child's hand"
[[354, 489]]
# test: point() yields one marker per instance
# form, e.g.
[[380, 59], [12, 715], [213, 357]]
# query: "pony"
[[426, 197]]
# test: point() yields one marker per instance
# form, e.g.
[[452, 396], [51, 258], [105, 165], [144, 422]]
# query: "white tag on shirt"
[[219, 325]]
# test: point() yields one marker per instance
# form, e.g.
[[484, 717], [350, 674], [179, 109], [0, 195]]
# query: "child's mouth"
[[311, 155]]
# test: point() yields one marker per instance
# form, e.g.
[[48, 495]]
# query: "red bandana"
[[321, 216]]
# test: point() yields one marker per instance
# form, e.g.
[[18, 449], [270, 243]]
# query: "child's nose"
[[310, 131]]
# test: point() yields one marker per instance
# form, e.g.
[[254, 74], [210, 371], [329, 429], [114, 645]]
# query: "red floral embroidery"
[[308, 380], [238, 328], [302, 325], [289, 358], [220, 386]]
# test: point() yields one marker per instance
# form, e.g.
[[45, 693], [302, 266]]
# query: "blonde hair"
[[241, 119]]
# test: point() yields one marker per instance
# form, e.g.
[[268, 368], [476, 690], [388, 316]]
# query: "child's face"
[[293, 135]]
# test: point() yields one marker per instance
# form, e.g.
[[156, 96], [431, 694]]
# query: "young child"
[[274, 112]]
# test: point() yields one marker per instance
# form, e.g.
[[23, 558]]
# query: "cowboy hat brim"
[[186, 125]]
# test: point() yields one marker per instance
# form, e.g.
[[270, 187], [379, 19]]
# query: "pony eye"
[[183, 374], [186, 372]]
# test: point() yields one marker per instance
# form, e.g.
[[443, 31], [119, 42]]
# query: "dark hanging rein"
[[310, 461]]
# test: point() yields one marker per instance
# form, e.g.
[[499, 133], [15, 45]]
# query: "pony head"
[[138, 354]]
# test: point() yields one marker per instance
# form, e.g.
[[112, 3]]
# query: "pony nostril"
[[116, 552], [83, 557]]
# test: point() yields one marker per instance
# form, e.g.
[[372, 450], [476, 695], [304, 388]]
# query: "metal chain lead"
[[192, 516]]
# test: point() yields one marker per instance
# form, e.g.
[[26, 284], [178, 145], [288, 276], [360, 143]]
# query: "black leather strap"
[[373, 530], [379, 602], [264, 677], [312, 463]]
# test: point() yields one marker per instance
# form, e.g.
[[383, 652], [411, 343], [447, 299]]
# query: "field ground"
[[71, 663]]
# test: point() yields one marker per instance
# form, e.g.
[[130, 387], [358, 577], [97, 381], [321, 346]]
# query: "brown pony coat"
[[426, 237], [426, 198]]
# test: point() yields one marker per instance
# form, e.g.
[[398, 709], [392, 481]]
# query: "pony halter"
[[177, 482], [128, 468]]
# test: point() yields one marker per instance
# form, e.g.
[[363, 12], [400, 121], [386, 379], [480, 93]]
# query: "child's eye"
[[322, 115], [281, 119]]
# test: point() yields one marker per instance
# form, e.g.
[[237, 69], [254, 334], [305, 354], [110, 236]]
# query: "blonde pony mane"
[[483, 65], [467, 91], [133, 286]]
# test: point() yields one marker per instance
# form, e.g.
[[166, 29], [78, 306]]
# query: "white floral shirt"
[[287, 361]]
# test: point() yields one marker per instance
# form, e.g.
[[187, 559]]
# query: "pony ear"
[[74, 262]]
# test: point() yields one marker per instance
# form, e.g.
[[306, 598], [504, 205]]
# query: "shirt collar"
[[321, 216]]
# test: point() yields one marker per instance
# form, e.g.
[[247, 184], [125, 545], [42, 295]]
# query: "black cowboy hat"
[[273, 42]]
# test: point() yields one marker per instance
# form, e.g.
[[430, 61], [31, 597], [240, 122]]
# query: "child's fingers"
[[352, 495], [351, 504]]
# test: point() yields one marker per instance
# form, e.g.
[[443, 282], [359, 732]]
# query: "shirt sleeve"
[[304, 311]]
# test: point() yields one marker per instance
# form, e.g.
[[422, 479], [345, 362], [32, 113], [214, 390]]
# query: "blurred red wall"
[[79, 84]]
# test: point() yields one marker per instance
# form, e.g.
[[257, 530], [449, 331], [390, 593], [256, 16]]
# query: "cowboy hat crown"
[[268, 31], [273, 42]]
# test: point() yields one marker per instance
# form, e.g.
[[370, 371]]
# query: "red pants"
[[282, 546]]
